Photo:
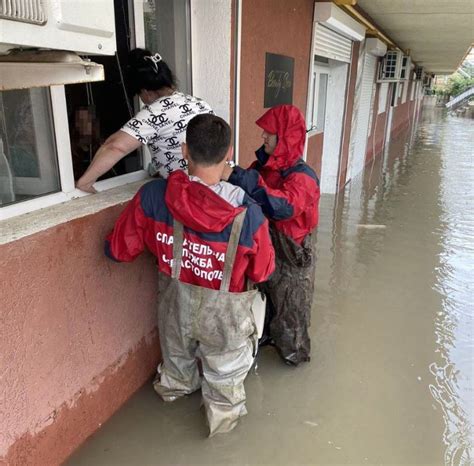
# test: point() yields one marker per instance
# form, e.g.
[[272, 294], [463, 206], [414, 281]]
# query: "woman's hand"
[[86, 187], [227, 172]]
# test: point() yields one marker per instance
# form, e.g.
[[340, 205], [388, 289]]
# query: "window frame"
[[60, 133], [42, 183], [315, 77], [68, 190], [62, 140]]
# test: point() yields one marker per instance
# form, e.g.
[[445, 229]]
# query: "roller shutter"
[[330, 44]]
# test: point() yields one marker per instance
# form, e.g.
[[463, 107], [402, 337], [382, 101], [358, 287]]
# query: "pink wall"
[[274, 26], [78, 337], [403, 117], [314, 154], [403, 113]]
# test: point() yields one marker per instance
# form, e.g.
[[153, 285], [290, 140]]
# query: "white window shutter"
[[330, 44]]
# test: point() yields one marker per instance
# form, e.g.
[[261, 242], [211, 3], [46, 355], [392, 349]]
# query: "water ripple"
[[453, 387]]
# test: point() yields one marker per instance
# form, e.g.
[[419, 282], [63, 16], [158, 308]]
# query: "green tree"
[[457, 84]]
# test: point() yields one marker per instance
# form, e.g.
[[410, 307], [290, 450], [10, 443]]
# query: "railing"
[[460, 98]]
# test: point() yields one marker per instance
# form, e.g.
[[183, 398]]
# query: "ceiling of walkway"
[[438, 33]]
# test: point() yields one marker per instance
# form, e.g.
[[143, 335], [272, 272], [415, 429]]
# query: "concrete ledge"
[[43, 219]]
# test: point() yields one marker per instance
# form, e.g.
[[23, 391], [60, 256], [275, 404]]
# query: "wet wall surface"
[[391, 376], [73, 325]]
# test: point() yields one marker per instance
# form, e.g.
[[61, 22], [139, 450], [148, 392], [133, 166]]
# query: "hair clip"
[[155, 59]]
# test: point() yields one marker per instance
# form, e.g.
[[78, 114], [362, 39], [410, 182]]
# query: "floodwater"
[[391, 379]]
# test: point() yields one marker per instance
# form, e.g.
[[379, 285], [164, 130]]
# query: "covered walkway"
[[391, 376]]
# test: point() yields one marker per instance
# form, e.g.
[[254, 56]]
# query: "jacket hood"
[[287, 122], [197, 206]]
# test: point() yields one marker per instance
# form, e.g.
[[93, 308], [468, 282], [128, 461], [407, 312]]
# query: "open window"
[[167, 25], [50, 132], [97, 110]]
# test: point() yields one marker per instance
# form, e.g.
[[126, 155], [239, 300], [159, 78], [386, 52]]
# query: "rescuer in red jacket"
[[209, 237], [207, 208], [287, 190]]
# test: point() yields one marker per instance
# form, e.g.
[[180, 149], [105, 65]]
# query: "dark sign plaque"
[[278, 80]]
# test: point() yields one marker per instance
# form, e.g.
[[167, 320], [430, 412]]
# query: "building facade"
[[78, 333]]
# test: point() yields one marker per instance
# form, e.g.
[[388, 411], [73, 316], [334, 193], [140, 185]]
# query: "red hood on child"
[[196, 206], [288, 123]]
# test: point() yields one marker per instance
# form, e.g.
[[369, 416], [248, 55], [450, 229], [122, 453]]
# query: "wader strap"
[[231, 252], [177, 249]]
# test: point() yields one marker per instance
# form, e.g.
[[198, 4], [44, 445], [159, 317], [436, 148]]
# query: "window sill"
[[314, 132], [67, 207], [48, 200]]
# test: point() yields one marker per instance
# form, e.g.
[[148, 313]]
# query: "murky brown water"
[[392, 375]]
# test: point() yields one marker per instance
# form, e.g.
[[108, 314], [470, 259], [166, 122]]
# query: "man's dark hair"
[[143, 74], [208, 139]]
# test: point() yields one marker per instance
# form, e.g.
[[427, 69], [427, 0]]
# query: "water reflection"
[[367, 204], [453, 372]]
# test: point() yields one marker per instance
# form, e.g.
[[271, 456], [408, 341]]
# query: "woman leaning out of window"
[[161, 124]]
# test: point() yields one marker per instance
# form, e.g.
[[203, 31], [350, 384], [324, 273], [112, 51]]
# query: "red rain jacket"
[[147, 221], [286, 188]]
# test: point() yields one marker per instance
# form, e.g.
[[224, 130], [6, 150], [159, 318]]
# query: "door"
[[330, 59], [335, 97]]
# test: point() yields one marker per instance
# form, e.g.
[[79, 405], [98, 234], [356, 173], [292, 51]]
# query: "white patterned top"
[[162, 125]]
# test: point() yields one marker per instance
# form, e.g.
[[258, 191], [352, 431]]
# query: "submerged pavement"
[[392, 372]]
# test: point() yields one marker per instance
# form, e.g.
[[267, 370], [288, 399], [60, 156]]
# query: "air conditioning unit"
[[86, 27], [375, 47], [390, 66], [41, 40], [419, 73], [405, 68], [427, 80]]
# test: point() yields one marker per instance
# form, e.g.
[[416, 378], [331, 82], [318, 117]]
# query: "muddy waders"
[[215, 325], [289, 293]]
